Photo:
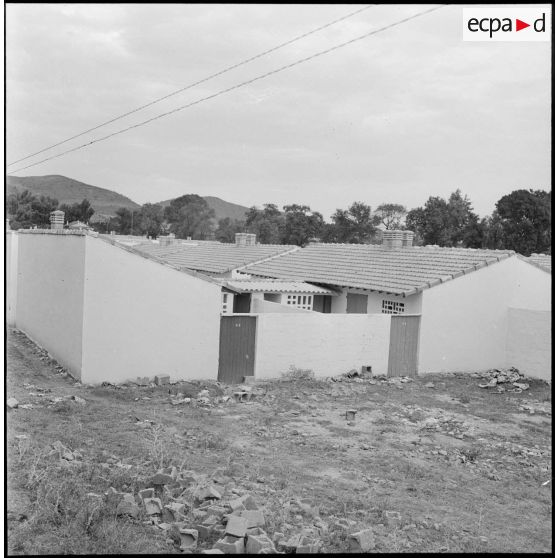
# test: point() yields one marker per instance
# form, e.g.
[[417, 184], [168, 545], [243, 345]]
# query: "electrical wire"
[[237, 86], [230, 68]]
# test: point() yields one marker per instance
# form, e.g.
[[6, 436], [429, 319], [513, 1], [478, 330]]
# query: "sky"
[[410, 112]]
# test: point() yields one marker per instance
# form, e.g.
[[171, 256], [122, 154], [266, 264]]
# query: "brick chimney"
[[408, 237], [392, 239], [57, 220]]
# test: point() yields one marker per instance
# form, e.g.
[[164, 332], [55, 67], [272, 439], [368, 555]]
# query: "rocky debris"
[[12, 403], [78, 400], [127, 506], [188, 539], [496, 377], [65, 454], [362, 541], [393, 518], [532, 407]]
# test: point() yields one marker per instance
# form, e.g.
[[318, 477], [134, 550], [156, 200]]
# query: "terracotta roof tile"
[[375, 267], [212, 257], [275, 286]]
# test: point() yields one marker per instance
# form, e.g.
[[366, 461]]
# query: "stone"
[[236, 504], [217, 511], [12, 403], [230, 545], [207, 493], [363, 541], [207, 527], [152, 506], [236, 526], [142, 381], [188, 539], [128, 506], [160, 478], [256, 543], [162, 379], [146, 493], [79, 400], [212, 551], [350, 414], [308, 547], [174, 511], [254, 518]]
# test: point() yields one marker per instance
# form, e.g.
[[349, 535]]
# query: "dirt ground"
[[466, 468]]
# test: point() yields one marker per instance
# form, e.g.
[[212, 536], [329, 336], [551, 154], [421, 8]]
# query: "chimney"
[[392, 239], [57, 220], [408, 237]]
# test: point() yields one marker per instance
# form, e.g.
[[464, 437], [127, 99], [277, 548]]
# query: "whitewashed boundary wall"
[[529, 342], [328, 344]]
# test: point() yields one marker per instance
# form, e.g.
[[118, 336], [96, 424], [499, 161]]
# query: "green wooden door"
[[357, 303], [403, 345], [237, 347]]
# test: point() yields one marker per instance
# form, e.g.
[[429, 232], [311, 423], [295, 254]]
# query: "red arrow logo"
[[519, 25]]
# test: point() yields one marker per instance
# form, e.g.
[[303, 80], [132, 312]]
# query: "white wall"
[[465, 321], [50, 294], [529, 342], [143, 318], [11, 276], [329, 344]]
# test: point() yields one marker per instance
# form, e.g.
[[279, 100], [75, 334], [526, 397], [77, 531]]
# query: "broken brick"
[[152, 506], [236, 526], [188, 539], [230, 545], [363, 541], [254, 518], [162, 379], [255, 543]]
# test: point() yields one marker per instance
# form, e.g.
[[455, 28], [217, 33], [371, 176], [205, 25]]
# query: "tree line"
[[521, 221]]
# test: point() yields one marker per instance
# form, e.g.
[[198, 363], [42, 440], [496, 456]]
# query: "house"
[[465, 306], [113, 311]]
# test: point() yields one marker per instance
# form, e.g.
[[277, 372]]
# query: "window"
[[392, 307], [226, 303], [300, 301]]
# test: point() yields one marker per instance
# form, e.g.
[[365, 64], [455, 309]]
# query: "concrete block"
[[162, 379], [363, 541], [128, 506], [206, 528], [207, 493], [236, 504], [217, 511], [255, 543], [188, 539], [255, 518], [231, 545], [146, 493], [236, 526], [153, 506], [212, 551]]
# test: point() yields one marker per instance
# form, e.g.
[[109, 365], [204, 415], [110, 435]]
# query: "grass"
[[486, 485]]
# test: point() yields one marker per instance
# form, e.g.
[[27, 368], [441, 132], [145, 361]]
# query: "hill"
[[69, 191], [222, 208], [104, 202]]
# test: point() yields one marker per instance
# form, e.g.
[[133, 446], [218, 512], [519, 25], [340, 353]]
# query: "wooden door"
[[237, 348], [357, 303], [403, 345]]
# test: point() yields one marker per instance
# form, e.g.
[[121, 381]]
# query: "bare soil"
[[467, 468]]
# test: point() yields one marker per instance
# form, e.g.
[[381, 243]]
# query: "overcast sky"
[[409, 113]]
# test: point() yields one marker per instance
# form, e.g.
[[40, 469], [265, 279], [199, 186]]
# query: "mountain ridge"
[[103, 200]]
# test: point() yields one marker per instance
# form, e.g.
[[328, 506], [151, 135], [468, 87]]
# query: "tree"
[[190, 216], [390, 215], [301, 224], [26, 210], [267, 224], [227, 228], [446, 223], [521, 222], [150, 219], [78, 211], [124, 221], [354, 225]]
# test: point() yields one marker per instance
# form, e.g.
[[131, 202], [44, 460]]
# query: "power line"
[[233, 67], [237, 86]]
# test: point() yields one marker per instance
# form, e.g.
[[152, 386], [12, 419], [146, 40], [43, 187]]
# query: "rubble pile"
[[497, 377], [196, 511]]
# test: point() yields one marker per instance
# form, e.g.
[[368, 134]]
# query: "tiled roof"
[[374, 267], [275, 286], [211, 257], [542, 261]]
